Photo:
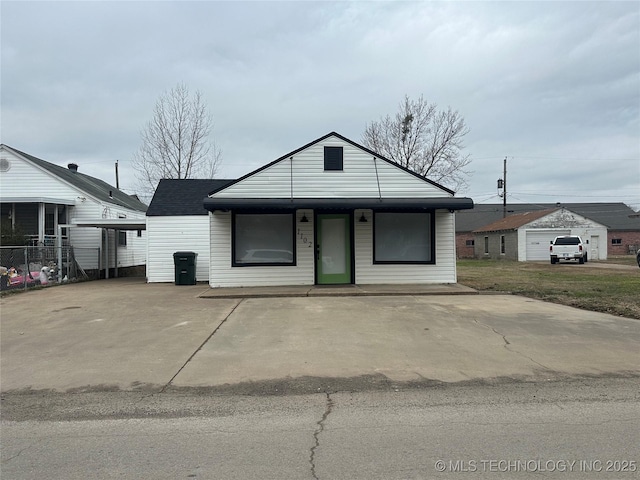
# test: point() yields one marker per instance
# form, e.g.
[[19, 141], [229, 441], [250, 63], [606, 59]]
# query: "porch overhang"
[[380, 204], [55, 201], [113, 223]]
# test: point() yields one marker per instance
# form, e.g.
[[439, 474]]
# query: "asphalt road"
[[580, 428]]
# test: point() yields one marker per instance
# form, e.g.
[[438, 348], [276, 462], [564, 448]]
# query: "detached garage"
[[526, 236]]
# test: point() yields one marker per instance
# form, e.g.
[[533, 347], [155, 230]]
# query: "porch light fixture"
[[363, 219], [304, 218]]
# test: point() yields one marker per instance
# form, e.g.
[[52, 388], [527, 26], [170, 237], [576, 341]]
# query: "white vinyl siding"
[[305, 177], [167, 235], [444, 270], [223, 274], [25, 180]]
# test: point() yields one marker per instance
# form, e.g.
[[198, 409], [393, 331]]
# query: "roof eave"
[[435, 203]]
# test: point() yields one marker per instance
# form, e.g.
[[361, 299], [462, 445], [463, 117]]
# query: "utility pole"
[[502, 185], [117, 178], [504, 193]]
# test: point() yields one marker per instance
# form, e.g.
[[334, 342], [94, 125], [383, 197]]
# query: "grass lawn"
[[606, 290]]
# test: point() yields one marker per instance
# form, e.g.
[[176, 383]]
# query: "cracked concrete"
[[509, 347], [153, 338], [202, 345], [316, 436]]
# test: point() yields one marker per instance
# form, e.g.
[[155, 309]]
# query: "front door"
[[333, 249]]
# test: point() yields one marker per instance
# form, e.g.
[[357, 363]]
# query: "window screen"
[[403, 238], [263, 239]]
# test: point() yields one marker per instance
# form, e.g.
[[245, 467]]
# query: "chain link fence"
[[25, 267]]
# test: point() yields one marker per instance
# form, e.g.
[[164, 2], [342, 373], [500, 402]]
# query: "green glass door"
[[333, 253]]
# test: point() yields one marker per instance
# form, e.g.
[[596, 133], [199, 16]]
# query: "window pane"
[[403, 237], [263, 239], [334, 249]]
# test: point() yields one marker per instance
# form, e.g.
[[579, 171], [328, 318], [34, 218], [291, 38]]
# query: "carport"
[[106, 224]]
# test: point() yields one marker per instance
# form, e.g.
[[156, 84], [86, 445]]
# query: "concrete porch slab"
[[339, 291]]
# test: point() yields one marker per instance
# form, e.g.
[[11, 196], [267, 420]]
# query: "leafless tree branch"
[[175, 142], [423, 139]]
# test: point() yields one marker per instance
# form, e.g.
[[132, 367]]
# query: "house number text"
[[304, 239]]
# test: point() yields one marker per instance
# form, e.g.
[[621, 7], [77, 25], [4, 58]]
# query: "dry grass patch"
[[609, 290]]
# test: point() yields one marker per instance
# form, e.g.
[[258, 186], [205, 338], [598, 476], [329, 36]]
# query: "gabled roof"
[[182, 197], [344, 139], [92, 186], [615, 216], [513, 222]]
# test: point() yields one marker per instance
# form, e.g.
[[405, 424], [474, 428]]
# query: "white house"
[[332, 212], [178, 221], [526, 236], [50, 203]]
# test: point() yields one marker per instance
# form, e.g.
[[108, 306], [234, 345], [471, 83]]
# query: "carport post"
[[116, 241], [59, 248]]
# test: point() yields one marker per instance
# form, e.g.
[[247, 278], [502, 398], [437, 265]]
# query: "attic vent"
[[73, 167], [333, 158], [5, 165]]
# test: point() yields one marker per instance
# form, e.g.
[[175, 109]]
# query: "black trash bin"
[[185, 267]]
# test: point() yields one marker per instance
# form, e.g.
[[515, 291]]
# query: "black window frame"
[[290, 213], [122, 238], [470, 243], [503, 245], [616, 241], [432, 239], [333, 159]]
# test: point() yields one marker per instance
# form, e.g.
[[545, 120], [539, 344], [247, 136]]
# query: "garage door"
[[538, 243]]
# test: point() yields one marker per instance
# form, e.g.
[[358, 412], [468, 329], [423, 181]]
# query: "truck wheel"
[[586, 259], [581, 260], [553, 261]]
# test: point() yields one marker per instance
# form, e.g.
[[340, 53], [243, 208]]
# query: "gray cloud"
[[555, 86]]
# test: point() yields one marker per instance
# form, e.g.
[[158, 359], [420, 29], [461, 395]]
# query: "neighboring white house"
[[332, 212], [178, 221], [49, 203], [526, 236]]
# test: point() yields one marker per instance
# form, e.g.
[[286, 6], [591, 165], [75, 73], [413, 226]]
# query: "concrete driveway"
[[124, 334]]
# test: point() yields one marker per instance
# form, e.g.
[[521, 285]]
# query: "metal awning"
[[409, 204], [114, 223]]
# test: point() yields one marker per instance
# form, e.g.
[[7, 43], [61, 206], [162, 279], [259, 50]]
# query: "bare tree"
[[175, 142], [424, 140]]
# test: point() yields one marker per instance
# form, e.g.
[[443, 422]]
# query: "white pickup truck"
[[568, 247]]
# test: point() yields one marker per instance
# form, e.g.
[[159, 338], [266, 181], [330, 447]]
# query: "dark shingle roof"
[[514, 221], [90, 185], [182, 197], [613, 215]]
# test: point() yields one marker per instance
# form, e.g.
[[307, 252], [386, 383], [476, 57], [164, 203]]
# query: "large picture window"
[[263, 239], [403, 238]]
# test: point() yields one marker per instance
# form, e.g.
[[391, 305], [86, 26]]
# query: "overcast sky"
[[553, 86]]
